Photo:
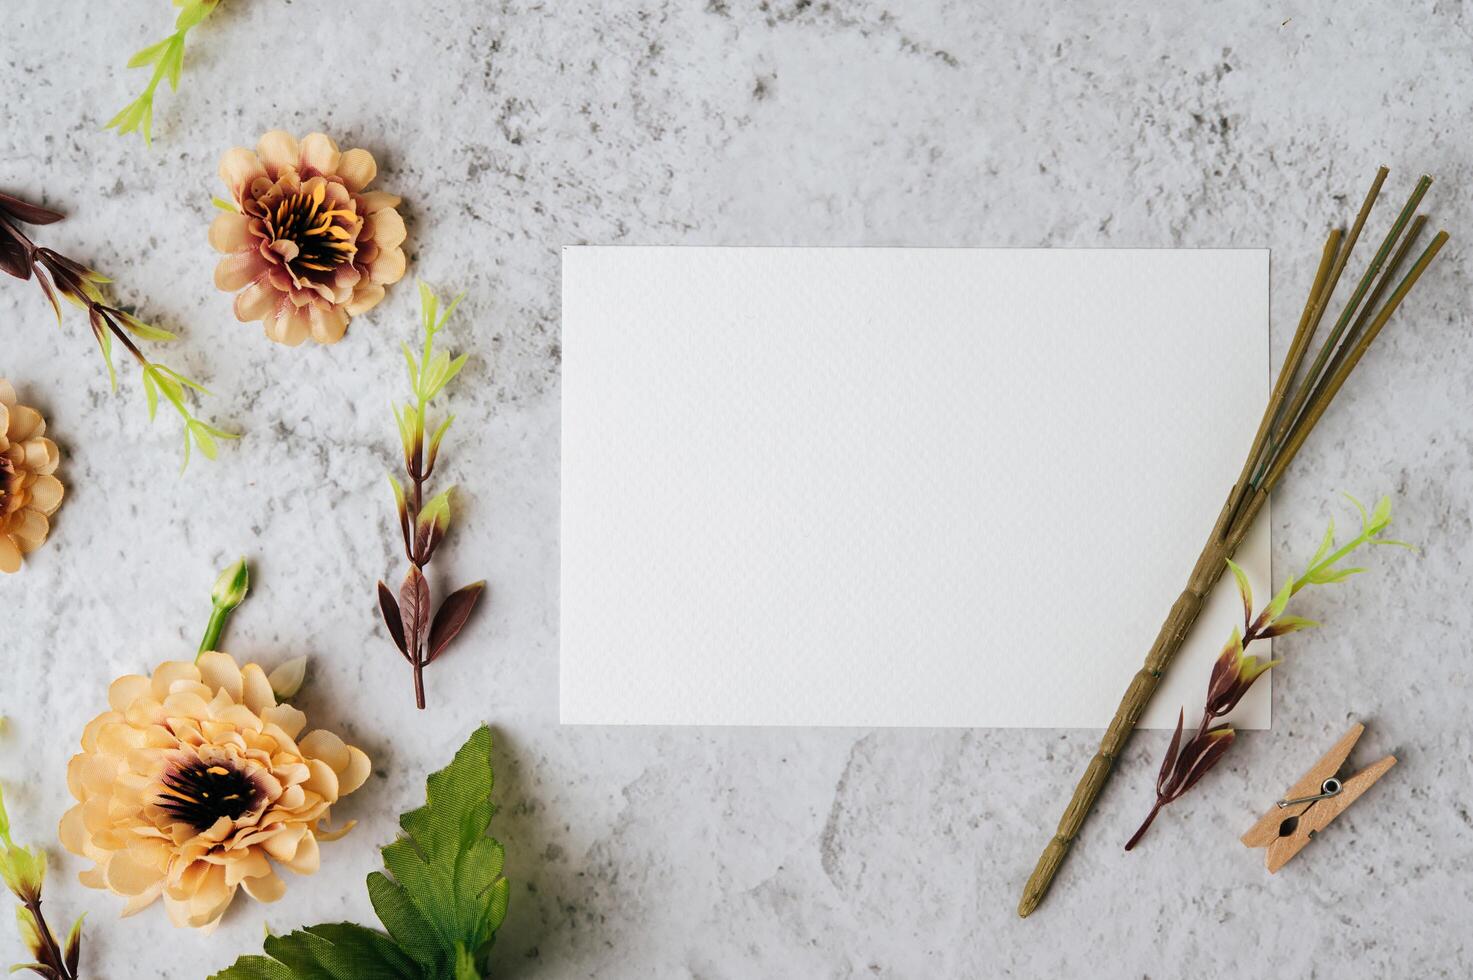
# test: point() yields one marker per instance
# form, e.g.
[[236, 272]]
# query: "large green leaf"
[[441, 907]]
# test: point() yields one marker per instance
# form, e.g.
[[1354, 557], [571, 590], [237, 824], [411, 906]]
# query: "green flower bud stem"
[[230, 591]]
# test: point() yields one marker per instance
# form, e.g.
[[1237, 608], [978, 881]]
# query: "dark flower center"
[[200, 794], [322, 240], [7, 475]]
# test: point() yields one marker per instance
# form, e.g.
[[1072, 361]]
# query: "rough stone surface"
[[514, 128]]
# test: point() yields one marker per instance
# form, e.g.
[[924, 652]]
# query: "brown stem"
[[53, 949], [1145, 825], [419, 680]]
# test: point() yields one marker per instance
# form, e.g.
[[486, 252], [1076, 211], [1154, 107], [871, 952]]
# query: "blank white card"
[[886, 486]]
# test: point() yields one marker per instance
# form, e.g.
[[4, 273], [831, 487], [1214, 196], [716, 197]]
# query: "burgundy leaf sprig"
[[58, 275], [23, 869], [421, 635], [1235, 670]]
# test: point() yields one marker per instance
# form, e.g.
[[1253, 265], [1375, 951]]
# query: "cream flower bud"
[[231, 587]]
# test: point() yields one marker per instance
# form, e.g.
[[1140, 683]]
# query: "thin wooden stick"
[[1298, 347], [1312, 378], [1318, 406], [1350, 242], [1373, 303], [1267, 461]]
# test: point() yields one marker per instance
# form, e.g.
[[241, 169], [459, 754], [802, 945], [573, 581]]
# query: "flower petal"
[[25, 422], [256, 688], [267, 888], [237, 269], [365, 297], [46, 494], [357, 772], [29, 529], [9, 555], [238, 168], [72, 832], [231, 233], [129, 877], [219, 672], [288, 719], [279, 152], [166, 674], [287, 324], [41, 455], [320, 153], [256, 301], [372, 202], [328, 326], [357, 169], [325, 745], [388, 228], [126, 689], [388, 268], [307, 859]]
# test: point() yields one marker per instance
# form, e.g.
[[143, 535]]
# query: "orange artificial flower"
[[195, 782], [29, 492], [308, 245]]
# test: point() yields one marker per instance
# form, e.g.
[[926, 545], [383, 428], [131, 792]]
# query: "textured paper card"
[[883, 486]]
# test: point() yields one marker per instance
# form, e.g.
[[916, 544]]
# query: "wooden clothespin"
[[1318, 798]]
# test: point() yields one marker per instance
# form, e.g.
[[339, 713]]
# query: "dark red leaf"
[[1170, 760], [390, 610], [15, 255], [1208, 759], [52, 257], [45, 285], [1200, 754], [27, 212], [73, 952], [454, 611], [414, 605]]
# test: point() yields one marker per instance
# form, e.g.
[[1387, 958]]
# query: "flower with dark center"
[[30, 493], [201, 794], [197, 783], [305, 243]]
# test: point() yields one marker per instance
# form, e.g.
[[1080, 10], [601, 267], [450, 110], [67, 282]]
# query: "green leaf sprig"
[[23, 870], [58, 275], [167, 59], [1236, 670], [441, 901], [423, 524]]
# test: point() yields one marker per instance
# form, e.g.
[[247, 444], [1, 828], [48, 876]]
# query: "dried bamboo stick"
[[1317, 407], [1298, 347], [1317, 368], [1292, 412]]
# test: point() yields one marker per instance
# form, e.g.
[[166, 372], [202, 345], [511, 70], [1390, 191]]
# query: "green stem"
[[213, 629]]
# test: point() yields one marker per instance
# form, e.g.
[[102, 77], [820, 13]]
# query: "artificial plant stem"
[[1313, 376], [1297, 348], [1244, 502], [1372, 305], [230, 590], [1140, 832], [1221, 544], [213, 629], [47, 936], [1332, 386]]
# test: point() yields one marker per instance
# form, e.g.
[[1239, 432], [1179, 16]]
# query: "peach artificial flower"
[[194, 783], [29, 493], [308, 246]]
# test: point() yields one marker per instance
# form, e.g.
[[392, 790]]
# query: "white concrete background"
[[514, 128]]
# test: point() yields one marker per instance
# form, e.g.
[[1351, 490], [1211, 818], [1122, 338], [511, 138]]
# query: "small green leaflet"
[[441, 902]]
